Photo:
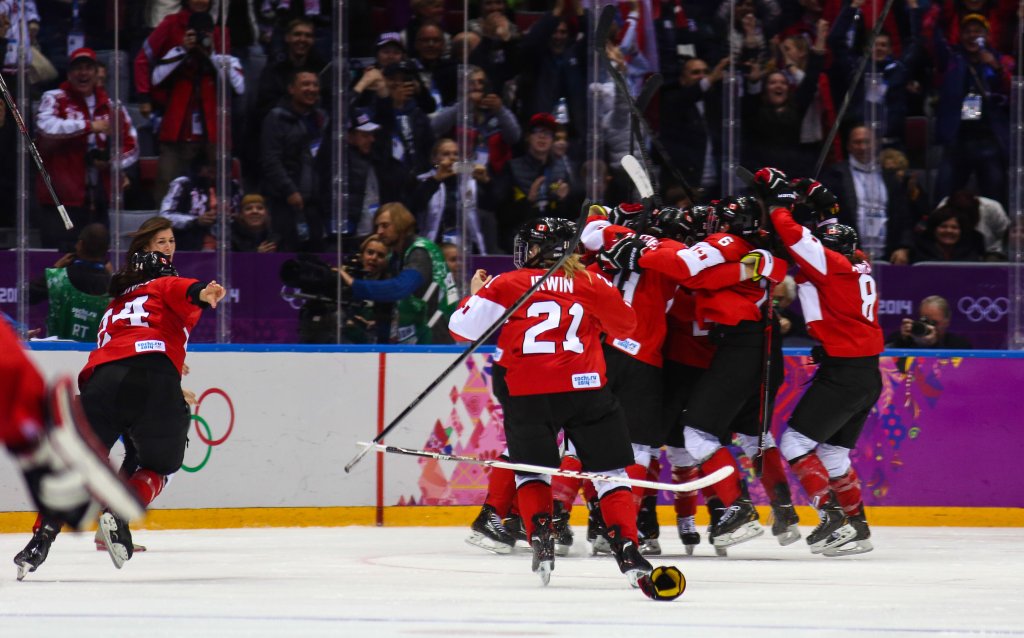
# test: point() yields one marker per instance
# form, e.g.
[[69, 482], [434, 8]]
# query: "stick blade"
[[639, 176], [604, 26], [745, 176]]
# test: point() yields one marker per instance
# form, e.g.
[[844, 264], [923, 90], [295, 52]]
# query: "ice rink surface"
[[361, 581]]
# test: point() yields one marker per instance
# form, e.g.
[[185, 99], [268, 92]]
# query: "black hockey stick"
[[34, 152], [767, 406], [868, 48], [580, 223], [603, 28]]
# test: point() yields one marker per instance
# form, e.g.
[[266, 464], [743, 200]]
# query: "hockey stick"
[[868, 48], [499, 322], [642, 181], [690, 486], [34, 152], [603, 27]]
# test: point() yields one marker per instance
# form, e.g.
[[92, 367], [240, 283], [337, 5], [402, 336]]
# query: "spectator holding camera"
[[372, 83], [405, 129], [73, 127], [184, 83], [422, 286], [931, 330]]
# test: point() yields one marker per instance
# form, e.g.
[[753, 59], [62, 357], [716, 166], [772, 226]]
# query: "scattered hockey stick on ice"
[[690, 486], [34, 152], [498, 323]]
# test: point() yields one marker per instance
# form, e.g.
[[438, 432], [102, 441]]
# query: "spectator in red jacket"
[[73, 135]]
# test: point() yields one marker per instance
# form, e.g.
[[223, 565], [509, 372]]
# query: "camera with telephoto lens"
[[317, 284], [313, 276], [921, 327]]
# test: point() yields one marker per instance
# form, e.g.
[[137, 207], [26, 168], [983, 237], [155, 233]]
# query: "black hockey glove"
[[625, 214], [773, 188], [625, 254], [821, 200]]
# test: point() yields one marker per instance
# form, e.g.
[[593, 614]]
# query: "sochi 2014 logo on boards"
[[221, 406], [978, 309]]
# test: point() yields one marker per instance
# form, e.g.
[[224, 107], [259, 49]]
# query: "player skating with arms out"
[[131, 384], [555, 373], [840, 304]]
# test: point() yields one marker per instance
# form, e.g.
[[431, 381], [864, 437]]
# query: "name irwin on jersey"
[[554, 284]]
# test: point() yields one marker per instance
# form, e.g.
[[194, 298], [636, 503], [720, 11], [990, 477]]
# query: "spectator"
[[753, 23], [372, 174], [554, 66], [493, 127], [292, 135], [773, 116], [948, 236], [367, 321], [820, 116], [497, 51], [372, 82], [791, 323], [493, 18], [986, 216], [895, 161], [972, 117], [405, 129], [422, 286], [534, 186], [184, 83], [691, 120], [191, 204], [250, 230], [439, 205], [931, 330], [298, 55], [871, 200], [73, 137], [424, 12], [76, 287], [11, 27], [895, 72], [437, 71], [450, 250]]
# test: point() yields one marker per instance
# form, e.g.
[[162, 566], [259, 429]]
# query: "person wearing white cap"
[[374, 177]]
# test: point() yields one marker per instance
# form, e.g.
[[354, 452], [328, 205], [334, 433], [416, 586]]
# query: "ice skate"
[[563, 532], [715, 511], [833, 530], [737, 525], [688, 533], [627, 555], [648, 527], [859, 544], [117, 537], [514, 526], [595, 530], [101, 545], [30, 558], [785, 524], [488, 532], [543, 543]]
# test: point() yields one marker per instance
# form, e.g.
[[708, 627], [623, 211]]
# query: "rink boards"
[[275, 426]]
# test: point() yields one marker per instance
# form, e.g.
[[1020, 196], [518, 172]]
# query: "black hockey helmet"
[[152, 264], [700, 214], [675, 223], [551, 235], [838, 237], [741, 214]]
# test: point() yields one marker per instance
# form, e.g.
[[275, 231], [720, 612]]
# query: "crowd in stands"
[[928, 182]]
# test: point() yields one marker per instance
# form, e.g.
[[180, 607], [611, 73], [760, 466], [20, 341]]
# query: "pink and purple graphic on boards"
[[945, 432]]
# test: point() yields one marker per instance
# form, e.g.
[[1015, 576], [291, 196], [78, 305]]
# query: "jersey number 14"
[[134, 312]]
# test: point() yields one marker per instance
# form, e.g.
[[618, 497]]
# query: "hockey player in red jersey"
[[67, 473], [840, 303], [555, 372], [131, 384], [726, 396]]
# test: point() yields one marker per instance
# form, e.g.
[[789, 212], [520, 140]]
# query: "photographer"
[[73, 135], [184, 84], [364, 320], [931, 330]]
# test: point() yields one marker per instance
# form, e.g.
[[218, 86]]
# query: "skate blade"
[[117, 552], [839, 537], [742, 534], [479, 540], [634, 576], [790, 536], [721, 552], [562, 550], [689, 549], [650, 547], [544, 569], [101, 546], [600, 546], [24, 569], [850, 549]]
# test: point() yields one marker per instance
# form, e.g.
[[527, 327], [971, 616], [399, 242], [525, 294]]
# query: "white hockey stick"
[[689, 486], [640, 178]]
